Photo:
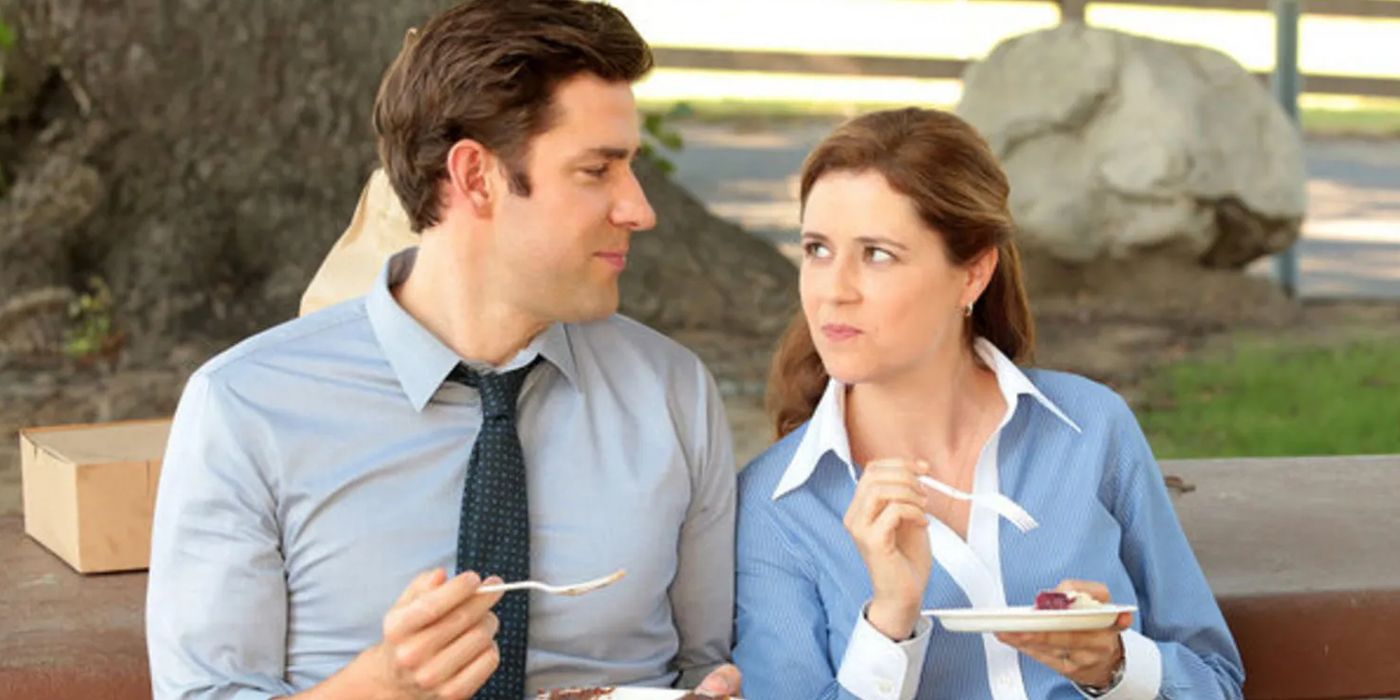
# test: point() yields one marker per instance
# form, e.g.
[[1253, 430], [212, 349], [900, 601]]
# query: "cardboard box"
[[90, 490]]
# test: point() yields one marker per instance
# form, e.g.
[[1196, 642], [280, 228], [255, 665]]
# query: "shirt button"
[[885, 686]]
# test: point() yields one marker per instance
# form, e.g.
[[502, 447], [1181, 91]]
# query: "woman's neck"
[[941, 411]]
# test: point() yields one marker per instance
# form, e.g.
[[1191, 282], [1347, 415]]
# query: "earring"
[[967, 310]]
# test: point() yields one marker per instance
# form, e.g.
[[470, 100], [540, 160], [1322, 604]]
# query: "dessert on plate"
[[574, 693], [1072, 600], [601, 693]]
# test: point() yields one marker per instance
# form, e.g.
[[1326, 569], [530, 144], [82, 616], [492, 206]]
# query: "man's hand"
[[439, 640]]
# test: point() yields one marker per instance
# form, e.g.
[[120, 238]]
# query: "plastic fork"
[[1003, 506], [570, 589]]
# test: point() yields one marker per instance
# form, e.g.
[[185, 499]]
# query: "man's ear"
[[469, 169]]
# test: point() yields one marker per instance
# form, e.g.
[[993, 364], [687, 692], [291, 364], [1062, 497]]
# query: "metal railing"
[[952, 68]]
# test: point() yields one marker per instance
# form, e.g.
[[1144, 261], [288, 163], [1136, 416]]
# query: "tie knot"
[[499, 392]]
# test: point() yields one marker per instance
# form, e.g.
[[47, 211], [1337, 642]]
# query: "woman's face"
[[879, 292]]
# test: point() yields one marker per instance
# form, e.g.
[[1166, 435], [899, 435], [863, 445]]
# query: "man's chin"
[[592, 310]]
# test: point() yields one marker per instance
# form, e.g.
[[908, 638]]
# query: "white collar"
[[826, 431]]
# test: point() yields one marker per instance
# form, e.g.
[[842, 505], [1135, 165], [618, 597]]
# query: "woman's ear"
[[979, 275]]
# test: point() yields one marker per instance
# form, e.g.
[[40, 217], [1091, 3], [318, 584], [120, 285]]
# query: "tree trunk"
[[201, 157]]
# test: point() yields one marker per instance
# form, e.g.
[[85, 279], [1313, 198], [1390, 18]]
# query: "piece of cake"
[[574, 693], [1073, 600], [602, 693]]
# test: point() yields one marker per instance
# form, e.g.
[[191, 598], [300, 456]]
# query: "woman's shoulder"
[[1087, 402], [763, 472]]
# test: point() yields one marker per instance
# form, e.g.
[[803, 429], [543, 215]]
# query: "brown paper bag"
[[378, 229]]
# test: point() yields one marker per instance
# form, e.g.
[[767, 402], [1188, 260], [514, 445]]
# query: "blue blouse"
[[1072, 454]]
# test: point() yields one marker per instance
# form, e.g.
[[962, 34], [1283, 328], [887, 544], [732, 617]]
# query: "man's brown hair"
[[486, 70]]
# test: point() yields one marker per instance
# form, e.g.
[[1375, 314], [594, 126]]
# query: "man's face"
[[562, 247]]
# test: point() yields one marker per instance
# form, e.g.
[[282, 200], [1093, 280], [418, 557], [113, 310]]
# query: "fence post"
[[1072, 10], [1285, 85]]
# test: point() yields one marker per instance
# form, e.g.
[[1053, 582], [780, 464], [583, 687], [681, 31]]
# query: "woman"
[[901, 363]]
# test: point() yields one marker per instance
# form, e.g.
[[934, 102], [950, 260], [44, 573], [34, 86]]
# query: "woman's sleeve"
[[1197, 657]]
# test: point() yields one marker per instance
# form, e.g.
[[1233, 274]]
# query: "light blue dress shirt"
[[1071, 453], [314, 469]]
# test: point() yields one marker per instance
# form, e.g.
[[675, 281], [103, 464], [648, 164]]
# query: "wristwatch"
[[1113, 681]]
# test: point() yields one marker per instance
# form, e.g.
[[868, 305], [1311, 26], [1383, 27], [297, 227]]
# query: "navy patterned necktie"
[[493, 535]]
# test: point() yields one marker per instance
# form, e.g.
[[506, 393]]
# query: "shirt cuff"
[[876, 667], [1142, 670]]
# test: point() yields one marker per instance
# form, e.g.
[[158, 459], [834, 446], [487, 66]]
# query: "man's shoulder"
[[624, 341], [324, 333]]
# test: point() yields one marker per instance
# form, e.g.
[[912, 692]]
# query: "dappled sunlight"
[[1345, 211], [1379, 157], [1378, 261], [675, 84], [767, 189], [1356, 230], [1342, 269], [878, 27], [758, 215], [1340, 45], [727, 137], [955, 29]]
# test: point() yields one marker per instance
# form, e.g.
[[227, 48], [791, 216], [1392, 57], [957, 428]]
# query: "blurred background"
[[1208, 190]]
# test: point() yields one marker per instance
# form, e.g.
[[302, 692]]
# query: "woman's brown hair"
[[957, 187]]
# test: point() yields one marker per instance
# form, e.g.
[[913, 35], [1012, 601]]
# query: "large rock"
[[201, 157], [1120, 146]]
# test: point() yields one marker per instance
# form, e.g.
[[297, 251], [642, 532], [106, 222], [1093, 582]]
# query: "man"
[[481, 410]]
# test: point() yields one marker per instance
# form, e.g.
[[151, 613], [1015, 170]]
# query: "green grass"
[[1351, 122], [1269, 400]]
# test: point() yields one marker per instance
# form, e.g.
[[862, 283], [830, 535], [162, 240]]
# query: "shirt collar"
[[1014, 383], [826, 431], [421, 362]]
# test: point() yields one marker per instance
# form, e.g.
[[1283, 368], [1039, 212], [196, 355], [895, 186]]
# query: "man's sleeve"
[[702, 596], [216, 601]]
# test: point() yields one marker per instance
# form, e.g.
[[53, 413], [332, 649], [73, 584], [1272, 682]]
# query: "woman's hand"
[[1087, 658], [888, 521]]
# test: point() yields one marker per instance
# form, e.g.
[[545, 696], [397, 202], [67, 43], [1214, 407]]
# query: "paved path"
[[1350, 246]]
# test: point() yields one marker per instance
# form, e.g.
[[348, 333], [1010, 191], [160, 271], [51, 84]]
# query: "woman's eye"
[[815, 250], [596, 172], [878, 255]]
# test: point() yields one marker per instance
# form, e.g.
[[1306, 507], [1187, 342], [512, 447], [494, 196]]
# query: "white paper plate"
[[1028, 619], [639, 693]]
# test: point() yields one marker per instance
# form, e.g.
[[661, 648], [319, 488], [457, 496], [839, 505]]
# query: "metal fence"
[[950, 68]]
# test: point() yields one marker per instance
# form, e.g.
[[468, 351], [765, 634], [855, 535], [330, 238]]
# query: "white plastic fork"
[[1004, 506], [571, 589]]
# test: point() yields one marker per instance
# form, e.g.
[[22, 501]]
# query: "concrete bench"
[[1303, 554], [64, 635]]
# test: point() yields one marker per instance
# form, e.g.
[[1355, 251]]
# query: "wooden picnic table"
[[1302, 553]]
